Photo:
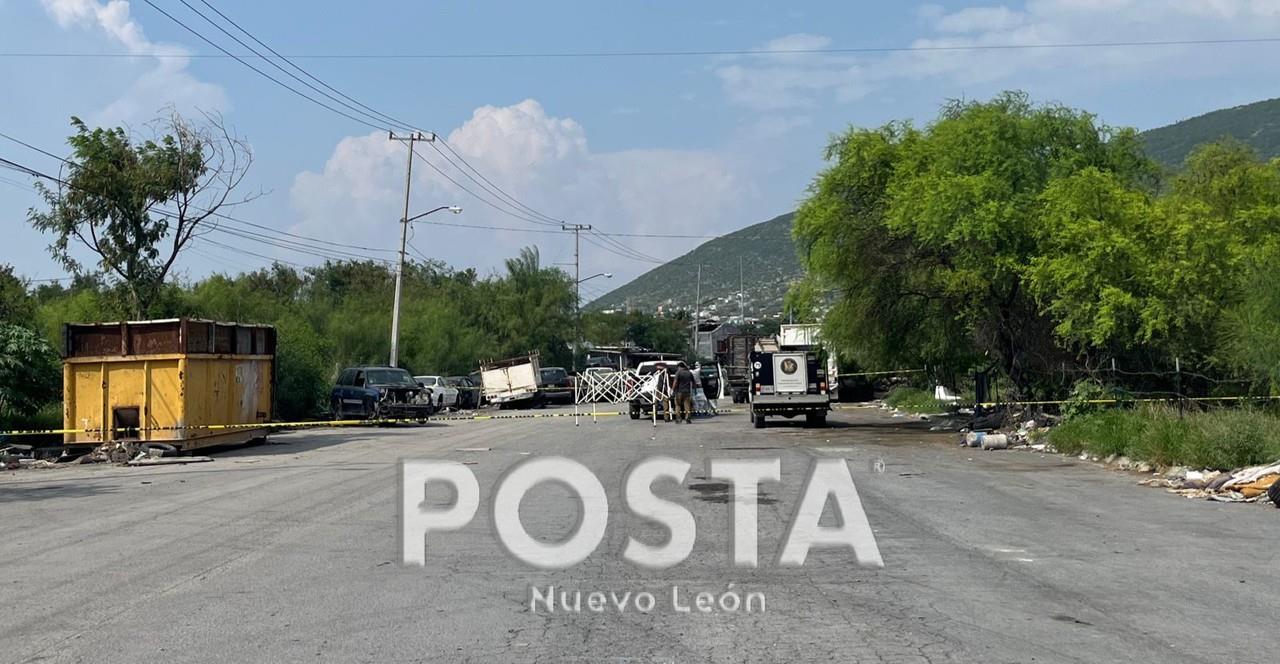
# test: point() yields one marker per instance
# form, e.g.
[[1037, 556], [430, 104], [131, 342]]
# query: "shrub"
[[914, 400], [1223, 439]]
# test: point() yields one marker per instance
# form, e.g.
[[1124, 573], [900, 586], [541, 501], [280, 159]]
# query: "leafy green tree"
[[16, 304], [926, 234], [30, 376], [136, 203]]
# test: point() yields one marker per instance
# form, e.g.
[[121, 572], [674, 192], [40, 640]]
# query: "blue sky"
[[685, 145]]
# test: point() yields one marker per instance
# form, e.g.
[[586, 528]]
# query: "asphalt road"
[[290, 552]]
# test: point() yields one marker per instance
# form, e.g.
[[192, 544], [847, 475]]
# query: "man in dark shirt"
[[684, 385]]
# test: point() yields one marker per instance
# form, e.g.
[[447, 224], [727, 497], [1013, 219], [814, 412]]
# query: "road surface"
[[290, 552]]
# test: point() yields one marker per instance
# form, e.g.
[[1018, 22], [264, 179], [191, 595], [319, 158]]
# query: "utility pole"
[[697, 304], [577, 289], [742, 309], [404, 237]]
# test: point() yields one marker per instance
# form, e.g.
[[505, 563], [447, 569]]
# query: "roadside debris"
[[1246, 485], [146, 460]]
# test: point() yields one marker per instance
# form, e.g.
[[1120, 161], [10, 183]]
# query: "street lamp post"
[[577, 295], [404, 239]]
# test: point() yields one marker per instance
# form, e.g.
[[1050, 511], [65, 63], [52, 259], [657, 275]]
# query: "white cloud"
[[979, 19], [167, 83], [543, 161], [769, 82], [775, 81]]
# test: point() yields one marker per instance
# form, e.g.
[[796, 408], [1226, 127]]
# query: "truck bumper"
[[790, 404], [405, 411]]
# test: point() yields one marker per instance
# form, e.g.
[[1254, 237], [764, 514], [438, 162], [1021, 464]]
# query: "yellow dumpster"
[[186, 382]]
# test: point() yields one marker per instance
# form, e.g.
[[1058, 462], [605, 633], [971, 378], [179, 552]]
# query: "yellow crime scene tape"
[[1059, 402], [342, 423]]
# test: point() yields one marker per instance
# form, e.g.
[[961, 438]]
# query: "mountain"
[[1256, 124], [769, 265], [769, 257]]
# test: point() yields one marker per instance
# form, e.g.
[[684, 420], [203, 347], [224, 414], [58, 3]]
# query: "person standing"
[[684, 384]]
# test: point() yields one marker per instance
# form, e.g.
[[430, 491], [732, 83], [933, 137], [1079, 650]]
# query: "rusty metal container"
[[186, 382]]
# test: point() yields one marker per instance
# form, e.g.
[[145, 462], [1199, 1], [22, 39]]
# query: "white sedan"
[[444, 394]]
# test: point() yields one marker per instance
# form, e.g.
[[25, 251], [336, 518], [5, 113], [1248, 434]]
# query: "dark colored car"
[[468, 391], [557, 385], [379, 393]]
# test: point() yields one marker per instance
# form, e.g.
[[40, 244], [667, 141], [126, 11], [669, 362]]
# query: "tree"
[[30, 376], [16, 304], [926, 234], [136, 203], [1251, 327]]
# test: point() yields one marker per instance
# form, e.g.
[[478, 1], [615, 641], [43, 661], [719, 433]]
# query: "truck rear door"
[[790, 373]]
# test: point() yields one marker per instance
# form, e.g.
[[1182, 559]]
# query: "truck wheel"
[[757, 420], [335, 410], [815, 419], [635, 413], [370, 410]]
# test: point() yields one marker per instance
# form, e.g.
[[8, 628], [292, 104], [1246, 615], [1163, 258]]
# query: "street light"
[[395, 306], [452, 208], [577, 323]]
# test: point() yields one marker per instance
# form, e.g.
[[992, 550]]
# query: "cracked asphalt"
[[290, 551]]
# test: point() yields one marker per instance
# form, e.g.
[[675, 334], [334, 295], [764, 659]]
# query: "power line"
[[250, 253], [161, 211], [228, 19], [332, 254], [478, 197], [550, 55], [526, 208], [368, 112], [264, 74]]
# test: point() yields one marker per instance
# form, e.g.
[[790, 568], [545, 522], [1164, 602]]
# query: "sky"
[[694, 145]]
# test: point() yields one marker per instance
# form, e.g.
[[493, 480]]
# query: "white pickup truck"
[[512, 382]]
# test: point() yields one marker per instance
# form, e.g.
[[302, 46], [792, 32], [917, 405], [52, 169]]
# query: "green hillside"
[[769, 264], [1255, 124], [769, 257]]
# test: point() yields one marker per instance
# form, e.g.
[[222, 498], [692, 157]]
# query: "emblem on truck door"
[[789, 366]]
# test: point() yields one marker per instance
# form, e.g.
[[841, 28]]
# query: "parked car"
[[379, 393], [445, 395], [557, 385], [468, 391]]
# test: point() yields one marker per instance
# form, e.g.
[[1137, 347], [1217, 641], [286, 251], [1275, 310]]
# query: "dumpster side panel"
[[84, 395], [164, 403], [126, 390]]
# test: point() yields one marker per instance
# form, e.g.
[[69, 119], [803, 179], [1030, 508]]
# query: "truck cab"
[[787, 383]]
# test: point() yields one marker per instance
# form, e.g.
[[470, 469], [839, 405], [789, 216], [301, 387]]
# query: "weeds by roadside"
[[914, 400], [1221, 439]]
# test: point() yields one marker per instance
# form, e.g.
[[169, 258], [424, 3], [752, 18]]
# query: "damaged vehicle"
[[379, 393]]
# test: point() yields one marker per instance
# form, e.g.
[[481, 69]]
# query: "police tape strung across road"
[[340, 423]]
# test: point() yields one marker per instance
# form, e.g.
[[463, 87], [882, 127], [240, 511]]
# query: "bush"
[[914, 400], [30, 375], [1223, 439], [1105, 433]]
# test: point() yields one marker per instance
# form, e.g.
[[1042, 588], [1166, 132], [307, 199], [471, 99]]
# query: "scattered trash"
[[1247, 485], [145, 459], [994, 441]]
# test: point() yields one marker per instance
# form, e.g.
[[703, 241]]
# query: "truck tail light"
[[757, 388], [822, 386]]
